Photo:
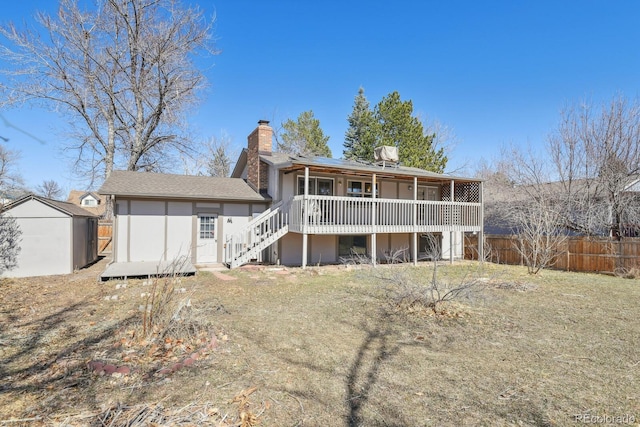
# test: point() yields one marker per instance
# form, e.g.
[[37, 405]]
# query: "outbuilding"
[[57, 237], [165, 222]]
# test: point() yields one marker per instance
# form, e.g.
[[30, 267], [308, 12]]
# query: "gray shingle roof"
[[282, 160], [65, 207], [158, 185]]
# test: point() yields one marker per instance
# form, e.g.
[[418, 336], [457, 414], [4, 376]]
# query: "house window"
[[207, 227], [352, 245], [89, 201], [360, 189], [428, 193], [317, 186]]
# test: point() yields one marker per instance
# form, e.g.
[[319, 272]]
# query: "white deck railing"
[[257, 235], [352, 215]]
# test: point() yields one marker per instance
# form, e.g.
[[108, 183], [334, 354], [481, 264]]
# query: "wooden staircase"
[[260, 233]]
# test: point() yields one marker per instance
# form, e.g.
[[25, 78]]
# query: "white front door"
[[207, 250]]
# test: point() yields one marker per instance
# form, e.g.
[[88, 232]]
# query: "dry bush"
[[355, 258], [397, 255], [628, 272], [431, 297]]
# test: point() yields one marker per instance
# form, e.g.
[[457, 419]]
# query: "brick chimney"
[[260, 143]]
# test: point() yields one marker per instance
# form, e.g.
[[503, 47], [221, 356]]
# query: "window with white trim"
[[89, 201]]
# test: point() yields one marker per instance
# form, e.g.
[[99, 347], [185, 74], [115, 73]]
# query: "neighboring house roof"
[[158, 185], [286, 161], [76, 197], [64, 207]]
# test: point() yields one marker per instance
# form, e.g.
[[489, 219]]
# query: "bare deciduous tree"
[[215, 158], [596, 154], [522, 200], [50, 189], [122, 73], [10, 179], [9, 242], [540, 233], [220, 156]]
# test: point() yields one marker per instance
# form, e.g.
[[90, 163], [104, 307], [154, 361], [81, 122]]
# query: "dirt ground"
[[325, 346]]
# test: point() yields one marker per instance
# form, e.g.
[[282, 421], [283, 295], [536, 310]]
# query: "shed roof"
[[158, 185], [64, 207]]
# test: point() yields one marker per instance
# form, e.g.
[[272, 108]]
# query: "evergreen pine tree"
[[359, 140], [304, 137], [396, 126]]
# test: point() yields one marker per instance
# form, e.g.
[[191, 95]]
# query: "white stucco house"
[[57, 237], [291, 210], [367, 208]]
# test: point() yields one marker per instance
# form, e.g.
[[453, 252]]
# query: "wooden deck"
[[349, 215], [124, 270]]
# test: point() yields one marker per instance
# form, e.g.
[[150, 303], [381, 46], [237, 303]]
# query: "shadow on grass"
[[374, 351], [44, 370]]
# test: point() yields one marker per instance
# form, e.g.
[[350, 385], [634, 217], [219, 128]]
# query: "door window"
[[207, 227]]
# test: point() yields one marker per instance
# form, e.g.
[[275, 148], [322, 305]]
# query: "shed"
[[163, 219], [57, 237]]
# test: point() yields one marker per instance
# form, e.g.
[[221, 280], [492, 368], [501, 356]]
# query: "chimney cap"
[[263, 122]]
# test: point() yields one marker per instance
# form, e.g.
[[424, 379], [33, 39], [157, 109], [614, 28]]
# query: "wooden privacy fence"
[[586, 254], [105, 236]]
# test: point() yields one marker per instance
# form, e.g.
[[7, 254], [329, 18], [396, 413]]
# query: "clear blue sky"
[[497, 72]]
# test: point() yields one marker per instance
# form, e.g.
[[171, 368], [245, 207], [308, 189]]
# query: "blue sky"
[[496, 72]]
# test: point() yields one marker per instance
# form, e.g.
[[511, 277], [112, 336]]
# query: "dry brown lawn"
[[323, 347]]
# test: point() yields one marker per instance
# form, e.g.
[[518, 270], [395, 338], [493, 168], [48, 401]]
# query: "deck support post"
[[451, 243], [374, 249], [415, 220], [481, 233], [305, 218]]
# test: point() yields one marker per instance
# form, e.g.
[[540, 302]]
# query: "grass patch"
[[320, 347]]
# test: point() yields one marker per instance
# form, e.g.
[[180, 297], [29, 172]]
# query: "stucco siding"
[[179, 226], [147, 235], [45, 247], [388, 189], [291, 249], [323, 249]]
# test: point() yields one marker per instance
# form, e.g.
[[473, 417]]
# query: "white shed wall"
[[121, 244], [179, 227], [147, 231], [45, 246]]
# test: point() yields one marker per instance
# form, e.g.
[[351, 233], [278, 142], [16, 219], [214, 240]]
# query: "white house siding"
[[122, 232], [178, 231], [147, 230], [273, 184], [233, 219], [382, 245], [288, 187], [323, 249], [457, 244], [291, 249], [404, 192], [388, 189], [46, 240]]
